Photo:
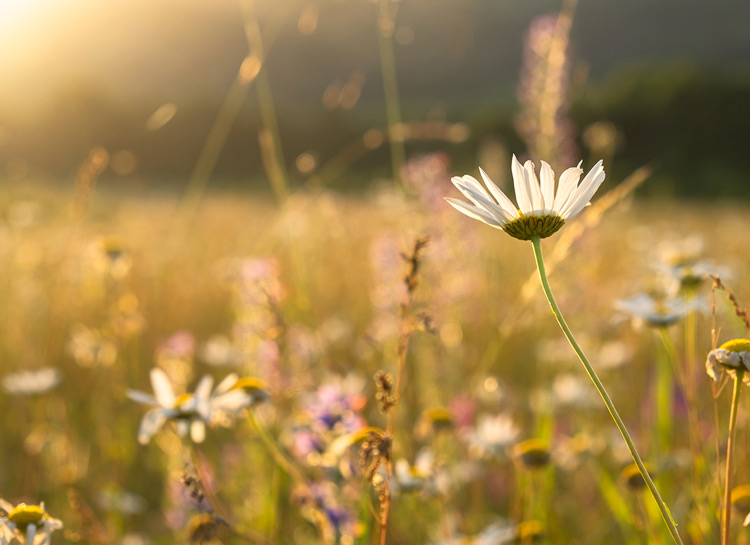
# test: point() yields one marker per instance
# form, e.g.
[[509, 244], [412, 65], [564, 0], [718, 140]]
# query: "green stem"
[[730, 452], [536, 242], [666, 367], [270, 139], [279, 458], [286, 465], [390, 83]]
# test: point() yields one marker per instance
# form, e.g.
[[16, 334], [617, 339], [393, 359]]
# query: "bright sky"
[[45, 44]]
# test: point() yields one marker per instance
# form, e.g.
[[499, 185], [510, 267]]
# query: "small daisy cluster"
[[682, 273]]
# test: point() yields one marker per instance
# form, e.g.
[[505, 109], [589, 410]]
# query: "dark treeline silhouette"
[[688, 121]]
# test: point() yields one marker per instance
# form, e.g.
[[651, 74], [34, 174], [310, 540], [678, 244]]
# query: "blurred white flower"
[[498, 533], [492, 435], [28, 524], [658, 311], [122, 501], [109, 257], [90, 348], [540, 212], [219, 350], [232, 395], [37, 381], [189, 412], [569, 390], [423, 476]]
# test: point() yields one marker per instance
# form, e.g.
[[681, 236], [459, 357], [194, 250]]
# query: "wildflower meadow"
[[454, 327]]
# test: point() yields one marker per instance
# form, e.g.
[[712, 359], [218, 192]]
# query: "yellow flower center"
[[528, 227], [23, 515], [530, 530], [202, 528], [184, 398], [439, 416], [741, 498], [533, 453], [632, 477], [249, 384], [737, 345]]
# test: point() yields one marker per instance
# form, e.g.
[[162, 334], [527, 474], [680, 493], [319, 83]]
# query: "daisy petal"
[[162, 388], [471, 184], [568, 183], [226, 384], [203, 390], [474, 191], [547, 176], [520, 185], [142, 397], [182, 427], [198, 431], [502, 199], [151, 423], [474, 212], [233, 401], [585, 191], [532, 184]]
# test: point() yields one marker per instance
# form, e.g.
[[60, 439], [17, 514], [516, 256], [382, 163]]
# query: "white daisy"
[[189, 412], [420, 476], [29, 524], [541, 211], [658, 311], [232, 395], [492, 435]]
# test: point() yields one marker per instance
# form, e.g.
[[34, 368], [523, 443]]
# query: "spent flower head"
[[541, 210], [730, 357]]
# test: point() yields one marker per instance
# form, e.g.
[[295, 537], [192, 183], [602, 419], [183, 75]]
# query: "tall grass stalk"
[[209, 154], [666, 367], [406, 330], [691, 395], [730, 457], [537, 244], [270, 140], [287, 466], [386, 25]]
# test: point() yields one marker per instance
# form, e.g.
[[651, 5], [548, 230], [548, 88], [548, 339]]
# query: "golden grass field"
[[308, 298]]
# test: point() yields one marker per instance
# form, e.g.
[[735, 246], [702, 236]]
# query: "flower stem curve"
[[537, 244]]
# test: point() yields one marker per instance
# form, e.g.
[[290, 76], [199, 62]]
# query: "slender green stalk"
[[286, 465], [270, 139], [390, 84], [537, 244], [730, 461], [281, 459], [666, 366], [212, 148]]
